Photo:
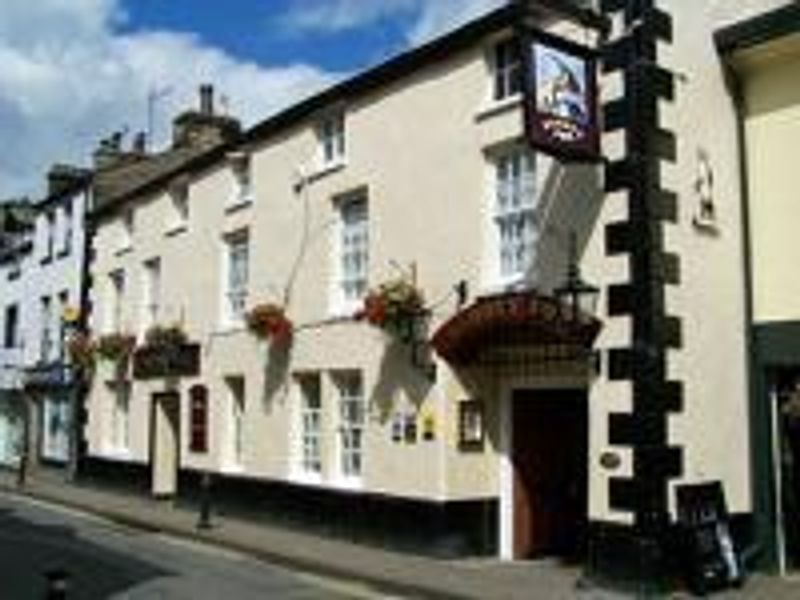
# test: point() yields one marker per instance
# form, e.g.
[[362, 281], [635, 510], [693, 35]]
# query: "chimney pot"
[[207, 99]]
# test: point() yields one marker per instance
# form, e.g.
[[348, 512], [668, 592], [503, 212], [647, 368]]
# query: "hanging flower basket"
[[269, 322], [115, 347], [165, 337], [394, 306], [166, 352], [81, 351]]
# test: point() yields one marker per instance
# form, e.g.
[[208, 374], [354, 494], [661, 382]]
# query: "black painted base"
[[619, 558], [440, 529]]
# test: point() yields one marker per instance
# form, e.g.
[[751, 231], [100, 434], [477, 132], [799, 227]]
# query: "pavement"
[[388, 573]]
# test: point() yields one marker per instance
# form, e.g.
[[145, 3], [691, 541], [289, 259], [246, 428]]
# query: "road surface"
[[105, 560]]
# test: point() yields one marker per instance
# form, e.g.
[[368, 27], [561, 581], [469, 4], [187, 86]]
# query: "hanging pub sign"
[[561, 97]]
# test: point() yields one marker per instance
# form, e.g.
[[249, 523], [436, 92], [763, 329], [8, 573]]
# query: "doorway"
[[165, 444], [549, 461]]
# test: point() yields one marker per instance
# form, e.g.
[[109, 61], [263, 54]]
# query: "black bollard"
[[57, 584], [22, 470], [204, 522]]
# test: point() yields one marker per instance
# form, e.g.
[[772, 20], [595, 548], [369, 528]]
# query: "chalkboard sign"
[[711, 559]]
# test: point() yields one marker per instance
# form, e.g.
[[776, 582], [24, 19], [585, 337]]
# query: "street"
[[105, 560]]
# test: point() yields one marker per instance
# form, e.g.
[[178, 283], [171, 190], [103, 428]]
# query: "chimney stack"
[[202, 128], [62, 178]]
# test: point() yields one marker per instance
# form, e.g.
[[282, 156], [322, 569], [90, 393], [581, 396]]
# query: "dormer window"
[[331, 137], [243, 178], [506, 69]]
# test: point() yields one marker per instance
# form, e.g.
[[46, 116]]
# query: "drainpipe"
[[762, 547]]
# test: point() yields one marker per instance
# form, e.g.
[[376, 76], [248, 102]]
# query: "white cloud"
[[67, 79], [429, 17], [340, 15], [438, 16]]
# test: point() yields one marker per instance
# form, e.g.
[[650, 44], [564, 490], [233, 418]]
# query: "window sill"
[[176, 229], [345, 313], [229, 330], [232, 469], [353, 484], [117, 454], [307, 478], [326, 169], [498, 288], [498, 107], [238, 204]]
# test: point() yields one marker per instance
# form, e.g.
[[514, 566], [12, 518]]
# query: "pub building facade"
[[371, 300]]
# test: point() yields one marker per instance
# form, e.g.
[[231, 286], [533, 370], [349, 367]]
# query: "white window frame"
[[120, 440], [179, 204], [234, 293], [512, 209], [331, 131], [116, 294], [127, 229], [351, 417], [310, 426], [151, 300], [242, 173], [63, 304], [351, 253], [49, 232], [506, 74], [67, 215], [45, 329]]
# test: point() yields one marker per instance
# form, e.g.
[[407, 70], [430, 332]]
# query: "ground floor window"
[[55, 428], [236, 404], [310, 424], [120, 415], [351, 423]]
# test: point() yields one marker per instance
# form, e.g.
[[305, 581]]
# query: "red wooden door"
[[549, 459]]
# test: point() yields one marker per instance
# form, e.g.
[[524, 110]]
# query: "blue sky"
[[263, 30], [74, 71]]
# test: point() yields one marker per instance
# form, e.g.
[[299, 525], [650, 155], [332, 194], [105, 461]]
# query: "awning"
[[511, 320]]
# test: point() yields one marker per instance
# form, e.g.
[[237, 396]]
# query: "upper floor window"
[[237, 251], [49, 236], [67, 230], [241, 168], [11, 327], [179, 201], [331, 136], [63, 306], [116, 280], [514, 213], [507, 69], [152, 293], [128, 228], [46, 324], [353, 251]]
